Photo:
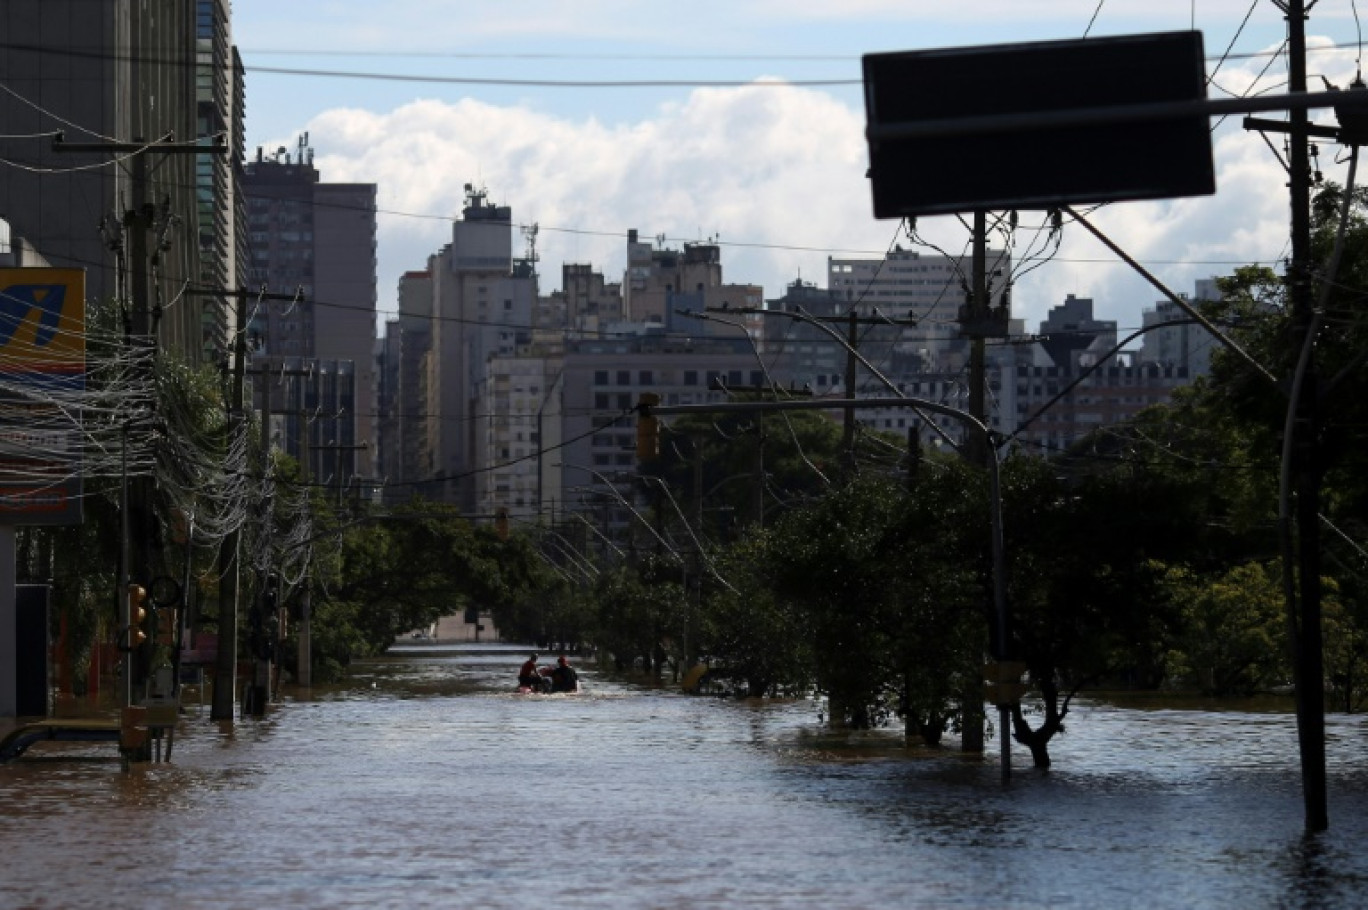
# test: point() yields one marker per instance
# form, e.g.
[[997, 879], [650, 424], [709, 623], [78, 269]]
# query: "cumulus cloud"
[[776, 175]]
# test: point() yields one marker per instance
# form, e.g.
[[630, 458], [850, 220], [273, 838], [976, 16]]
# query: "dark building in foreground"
[[108, 75]]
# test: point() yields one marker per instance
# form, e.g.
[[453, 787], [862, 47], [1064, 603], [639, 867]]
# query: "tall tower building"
[[318, 238], [482, 305], [220, 214], [108, 75], [406, 458]]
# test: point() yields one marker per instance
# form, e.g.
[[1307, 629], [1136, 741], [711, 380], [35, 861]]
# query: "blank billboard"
[[1025, 161]]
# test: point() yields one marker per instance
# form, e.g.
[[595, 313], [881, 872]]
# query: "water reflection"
[[428, 782]]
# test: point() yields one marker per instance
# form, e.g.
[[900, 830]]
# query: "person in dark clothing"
[[564, 678]]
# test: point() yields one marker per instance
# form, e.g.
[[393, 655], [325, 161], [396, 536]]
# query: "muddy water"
[[424, 782]]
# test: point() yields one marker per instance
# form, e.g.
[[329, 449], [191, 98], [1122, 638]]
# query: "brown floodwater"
[[425, 782]]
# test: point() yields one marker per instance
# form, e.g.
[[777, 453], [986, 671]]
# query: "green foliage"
[[763, 642], [1233, 638], [639, 613], [866, 587], [404, 570]]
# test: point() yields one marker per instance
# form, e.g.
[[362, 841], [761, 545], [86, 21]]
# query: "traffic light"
[[501, 523], [137, 615], [166, 627], [648, 428]]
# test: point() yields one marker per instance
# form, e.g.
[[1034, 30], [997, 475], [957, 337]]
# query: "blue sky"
[[424, 96]]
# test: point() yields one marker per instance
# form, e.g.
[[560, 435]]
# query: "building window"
[[644, 378], [691, 377], [624, 377], [600, 377]]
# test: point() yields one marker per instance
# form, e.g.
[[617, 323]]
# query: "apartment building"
[[482, 305], [602, 381], [923, 294], [318, 239]]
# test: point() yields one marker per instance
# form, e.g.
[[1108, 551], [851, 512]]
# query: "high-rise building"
[[602, 381], [319, 239], [670, 287], [482, 305], [925, 294], [109, 76], [1175, 339], [405, 465], [519, 430], [1067, 386], [220, 214]]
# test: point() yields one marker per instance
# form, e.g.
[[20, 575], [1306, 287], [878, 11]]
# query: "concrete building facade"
[[602, 382], [923, 292], [482, 305], [319, 239]]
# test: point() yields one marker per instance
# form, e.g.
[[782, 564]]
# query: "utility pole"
[[143, 561], [1299, 524], [225, 664], [230, 548], [304, 659], [1305, 429], [976, 449], [979, 321], [266, 667], [259, 637], [848, 425]]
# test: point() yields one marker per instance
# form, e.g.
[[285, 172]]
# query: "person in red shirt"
[[528, 675]]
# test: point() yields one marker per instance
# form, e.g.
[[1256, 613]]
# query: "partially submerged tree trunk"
[[1038, 740]]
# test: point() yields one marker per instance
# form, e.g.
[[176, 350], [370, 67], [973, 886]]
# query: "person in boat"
[[529, 677], [564, 678]]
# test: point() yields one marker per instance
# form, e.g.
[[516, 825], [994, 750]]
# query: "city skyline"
[[680, 147]]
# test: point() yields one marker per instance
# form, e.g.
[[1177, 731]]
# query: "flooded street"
[[425, 782]]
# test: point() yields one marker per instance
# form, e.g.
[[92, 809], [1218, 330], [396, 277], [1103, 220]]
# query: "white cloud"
[[770, 172]]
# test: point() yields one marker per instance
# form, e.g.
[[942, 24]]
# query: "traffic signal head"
[[166, 627], [648, 428], [137, 614], [501, 524]]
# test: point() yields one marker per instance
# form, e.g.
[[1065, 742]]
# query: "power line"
[[489, 81]]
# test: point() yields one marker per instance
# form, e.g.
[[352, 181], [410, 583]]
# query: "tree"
[[1233, 634], [1085, 556]]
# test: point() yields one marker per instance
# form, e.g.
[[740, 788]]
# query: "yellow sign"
[[42, 362], [42, 321]]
